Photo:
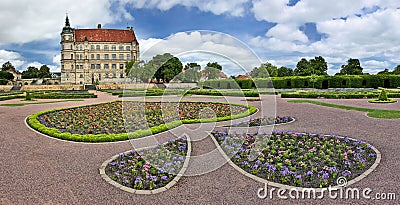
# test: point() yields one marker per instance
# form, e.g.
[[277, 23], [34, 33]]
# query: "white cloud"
[[204, 46], [14, 58], [43, 19], [218, 7], [351, 29]]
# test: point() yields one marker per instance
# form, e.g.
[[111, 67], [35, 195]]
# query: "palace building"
[[96, 56]]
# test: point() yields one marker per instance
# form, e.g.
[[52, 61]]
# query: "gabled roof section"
[[105, 35]]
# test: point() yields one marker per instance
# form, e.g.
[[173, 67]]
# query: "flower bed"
[[151, 168], [298, 159], [108, 122], [264, 121]]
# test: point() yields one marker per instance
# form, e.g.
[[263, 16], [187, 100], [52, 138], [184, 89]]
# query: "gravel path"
[[42, 170]]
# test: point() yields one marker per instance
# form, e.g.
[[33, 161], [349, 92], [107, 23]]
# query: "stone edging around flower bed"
[[287, 187], [155, 191], [36, 125], [232, 127]]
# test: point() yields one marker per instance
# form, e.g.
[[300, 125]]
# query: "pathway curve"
[[42, 170]]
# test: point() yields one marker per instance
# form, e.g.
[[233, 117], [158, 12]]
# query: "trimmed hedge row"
[[224, 93], [35, 124], [319, 82], [336, 95], [62, 96]]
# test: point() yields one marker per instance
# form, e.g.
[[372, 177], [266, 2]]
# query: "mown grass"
[[375, 113]]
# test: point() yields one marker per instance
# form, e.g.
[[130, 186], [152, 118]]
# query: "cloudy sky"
[[277, 31]]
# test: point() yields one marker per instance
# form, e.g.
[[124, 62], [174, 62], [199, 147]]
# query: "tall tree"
[[396, 70], [214, 65], [315, 66], [171, 69], [192, 72], [353, 67], [6, 75], [301, 67], [44, 72], [264, 71], [211, 73], [7, 65], [31, 72], [285, 71], [384, 72]]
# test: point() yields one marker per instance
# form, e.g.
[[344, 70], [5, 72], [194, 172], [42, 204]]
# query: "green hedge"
[[35, 124], [238, 93], [61, 96], [3, 81], [336, 95], [319, 82]]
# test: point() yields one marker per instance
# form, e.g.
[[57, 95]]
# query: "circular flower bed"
[[264, 121], [298, 159], [113, 121], [151, 168]]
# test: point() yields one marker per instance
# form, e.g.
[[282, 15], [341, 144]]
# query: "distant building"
[[90, 56]]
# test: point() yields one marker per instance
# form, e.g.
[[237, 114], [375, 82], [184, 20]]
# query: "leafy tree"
[[384, 72], [301, 67], [192, 72], [6, 75], [133, 69], [316, 66], [211, 73], [264, 71], [285, 71], [170, 69], [7, 65], [44, 72], [214, 65], [353, 67], [396, 70], [31, 72]]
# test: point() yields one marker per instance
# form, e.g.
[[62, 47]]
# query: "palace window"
[[92, 56], [128, 48], [113, 48], [114, 66], [106, 56], [105, 47], [121, 56], [97, 66], [128, 56], [92, 66], [121, 48], [81, 75], [114, 56], [121, 66], [98, 56], [97, 47], [91, 47], [105, 66]]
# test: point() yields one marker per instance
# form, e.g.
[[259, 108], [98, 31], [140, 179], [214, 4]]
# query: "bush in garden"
[[383, 96]]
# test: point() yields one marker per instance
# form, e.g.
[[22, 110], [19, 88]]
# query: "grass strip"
[[375, 113]]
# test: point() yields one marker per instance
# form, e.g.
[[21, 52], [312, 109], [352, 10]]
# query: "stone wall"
[[5, 87], [52, 87]]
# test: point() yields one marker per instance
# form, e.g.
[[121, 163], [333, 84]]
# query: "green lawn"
[[375, 113]]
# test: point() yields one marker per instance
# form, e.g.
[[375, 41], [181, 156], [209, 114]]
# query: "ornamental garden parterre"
[[287, 158]]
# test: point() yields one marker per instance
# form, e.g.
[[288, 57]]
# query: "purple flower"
[[153, 178], [332, 169], [113, 164], [133, 152], [121, 155], [298, 176], [138, 180], [346, 173], [325, 176], [310, 173], [164, 178], [285, 172]]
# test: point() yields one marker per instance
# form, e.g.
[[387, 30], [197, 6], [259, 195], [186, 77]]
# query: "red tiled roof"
[[104, 35]]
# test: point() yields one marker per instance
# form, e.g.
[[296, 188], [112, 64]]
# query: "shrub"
[[383, 96]]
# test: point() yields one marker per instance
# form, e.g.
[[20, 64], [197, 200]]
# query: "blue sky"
[[278, 31]]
